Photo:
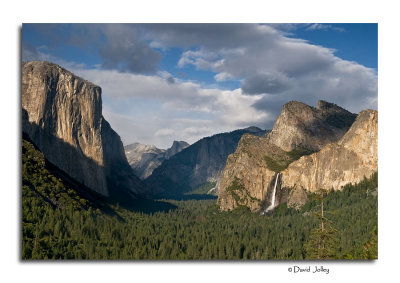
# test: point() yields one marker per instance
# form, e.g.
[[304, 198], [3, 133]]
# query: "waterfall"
[[272, 205]]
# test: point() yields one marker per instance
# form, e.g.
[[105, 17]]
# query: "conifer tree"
[[323, 241]]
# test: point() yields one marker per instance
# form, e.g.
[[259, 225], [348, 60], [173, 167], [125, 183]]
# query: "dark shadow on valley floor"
[[50, 145], [192, 197], [149, 206]]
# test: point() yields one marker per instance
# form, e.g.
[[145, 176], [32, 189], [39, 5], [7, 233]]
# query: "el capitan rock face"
[[62, 115], [299, 130]]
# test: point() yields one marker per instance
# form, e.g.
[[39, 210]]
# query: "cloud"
[[260, 56], [212, 36], [149, 129], [265, 83], [325, 27], [31, 53], [170, 80], [125, 52], [164, 132], [196, 131], [119, 46], [220, 77], [271, 66], [167, 76], [180, 110], [266, 61]]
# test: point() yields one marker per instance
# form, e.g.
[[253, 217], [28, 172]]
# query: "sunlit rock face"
[[354, 156], [299, 130], [62, 115]]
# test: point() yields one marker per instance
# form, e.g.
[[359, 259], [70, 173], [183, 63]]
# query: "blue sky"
[[354, 42], [165, 82]]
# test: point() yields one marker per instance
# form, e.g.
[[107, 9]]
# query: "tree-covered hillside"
[[63, 221]]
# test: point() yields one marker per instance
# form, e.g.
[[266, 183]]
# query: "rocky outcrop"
[[299, 130], [62, 116], [349, 160], [145, 158], [303, 126], [177, 146], [197, 164], [246, 179], [297, 198]]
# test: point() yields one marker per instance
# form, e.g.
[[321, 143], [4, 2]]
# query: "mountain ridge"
[[257, 167], [145, 158], [197, 164]]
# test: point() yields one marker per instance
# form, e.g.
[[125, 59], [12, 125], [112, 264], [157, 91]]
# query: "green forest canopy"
[[60, 222]]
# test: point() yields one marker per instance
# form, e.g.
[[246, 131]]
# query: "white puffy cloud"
[[267, 61], [220, 77], [324, 27], [151, 109], [164, 132], [265, 58]]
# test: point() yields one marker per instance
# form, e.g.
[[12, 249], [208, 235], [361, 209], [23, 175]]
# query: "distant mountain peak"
[[252, 129], [176, 147], [145, 158], [197, 164]]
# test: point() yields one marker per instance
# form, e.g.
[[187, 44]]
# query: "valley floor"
[[59, 222]]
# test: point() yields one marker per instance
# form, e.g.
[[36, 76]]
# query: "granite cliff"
[[246, 179], [62, 116], [349, 160], [302, 126], [256, 169], [145, 158]]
